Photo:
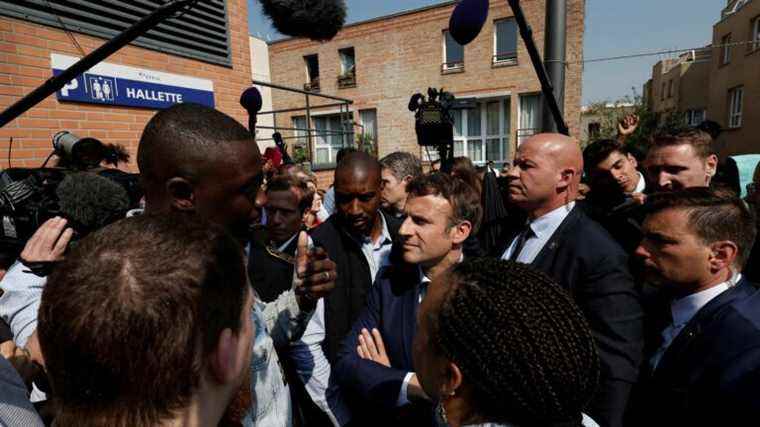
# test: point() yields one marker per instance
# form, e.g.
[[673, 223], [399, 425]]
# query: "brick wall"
[[400, 55], [25, 50]]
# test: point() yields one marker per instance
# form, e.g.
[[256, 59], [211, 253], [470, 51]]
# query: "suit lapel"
[[547, 252], [697, 325], [408, 315]]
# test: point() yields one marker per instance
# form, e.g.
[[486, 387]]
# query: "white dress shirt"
[[542, 229], [641, 185], [307, 353], [683, 310]]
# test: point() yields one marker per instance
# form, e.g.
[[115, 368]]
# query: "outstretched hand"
[[371, 347]]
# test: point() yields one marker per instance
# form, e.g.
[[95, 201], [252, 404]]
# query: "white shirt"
[[542, 229], [683, 310], [641, 185]]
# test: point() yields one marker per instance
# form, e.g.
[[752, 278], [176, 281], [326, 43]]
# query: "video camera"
[[434, 123], [77, 188]]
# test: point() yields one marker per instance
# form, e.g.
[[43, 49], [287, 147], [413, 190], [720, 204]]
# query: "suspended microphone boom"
[[318, 20]]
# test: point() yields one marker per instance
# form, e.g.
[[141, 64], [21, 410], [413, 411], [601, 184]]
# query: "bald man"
[[560, 240]]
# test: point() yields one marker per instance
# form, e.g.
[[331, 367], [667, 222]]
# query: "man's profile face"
[[357, 199], [426, 232], [675, 167], [672, 254], [534, 177], [284, 217], [618, 171], [393, 192], [226, 193]]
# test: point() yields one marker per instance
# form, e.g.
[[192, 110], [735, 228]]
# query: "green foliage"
[[365, 143], [300, 154]]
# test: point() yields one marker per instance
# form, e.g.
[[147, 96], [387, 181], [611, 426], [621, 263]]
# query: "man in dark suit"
[[617, 191], [375, 361], [273, 246], [704, 369], [560, 240]]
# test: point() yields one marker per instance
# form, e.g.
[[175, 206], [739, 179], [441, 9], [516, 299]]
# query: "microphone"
[[90, 201], [250, 99], [319, 20], [467, 20]]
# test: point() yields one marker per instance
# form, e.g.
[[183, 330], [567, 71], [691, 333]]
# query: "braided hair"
[[520, 341]]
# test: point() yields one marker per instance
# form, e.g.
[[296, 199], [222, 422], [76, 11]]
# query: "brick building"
[[380, 63], [719, 82], [208, 43]]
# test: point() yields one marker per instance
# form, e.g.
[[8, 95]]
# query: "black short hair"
[[128, 319], [713, 215], [464, 200], [520, 342], [180, 137], [343, 152], [600, 150]]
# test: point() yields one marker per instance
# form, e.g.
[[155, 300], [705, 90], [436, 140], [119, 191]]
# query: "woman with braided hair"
[[500, 344]]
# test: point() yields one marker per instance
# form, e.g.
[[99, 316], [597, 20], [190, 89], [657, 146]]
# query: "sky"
[[613, 28]]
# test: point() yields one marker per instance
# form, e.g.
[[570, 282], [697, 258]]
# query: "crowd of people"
[[245, 295]]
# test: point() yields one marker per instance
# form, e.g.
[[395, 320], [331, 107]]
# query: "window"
[[670, 88], [330, 134], [505, 42], [726, 43], [482, 132], [529, 117], [735, 99], [695, 117], [347, 76], [312, 72], [453, 53], [755, 34], [200, 32], [368, 130]]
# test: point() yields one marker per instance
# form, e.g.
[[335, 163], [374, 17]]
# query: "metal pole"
[[104, 51], [546, 86], [308, 132], [554, 56]]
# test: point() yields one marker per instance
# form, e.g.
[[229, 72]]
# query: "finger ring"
[[327, 275]]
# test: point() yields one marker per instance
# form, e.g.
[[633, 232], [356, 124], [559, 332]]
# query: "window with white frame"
[[482, 132], [529, 117], [453, 53], [368, 129], [695, 116], [735, 100], [756, 33], [505, 42], [726, 43], [330, 134]]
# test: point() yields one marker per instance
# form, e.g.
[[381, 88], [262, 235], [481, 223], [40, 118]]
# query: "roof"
[[383, 18]]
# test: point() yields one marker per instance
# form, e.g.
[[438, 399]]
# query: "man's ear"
[[566, 177], [460, 232], [711, 165], [222, 360], [723, 254], [633, 160], [182, 194], [407, 179]]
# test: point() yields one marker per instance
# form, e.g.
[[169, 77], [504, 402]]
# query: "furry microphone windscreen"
[[319, 20], [467, 20], [91, 201]]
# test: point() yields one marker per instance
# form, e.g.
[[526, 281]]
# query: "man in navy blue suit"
[[375, 362], [560, 240], [705, 369]]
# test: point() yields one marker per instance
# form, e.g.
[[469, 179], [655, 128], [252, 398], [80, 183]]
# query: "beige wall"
[[401, 55], [744, 69]]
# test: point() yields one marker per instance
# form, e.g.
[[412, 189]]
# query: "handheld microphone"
[[250, 99], [467, 20], [319, 20]]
